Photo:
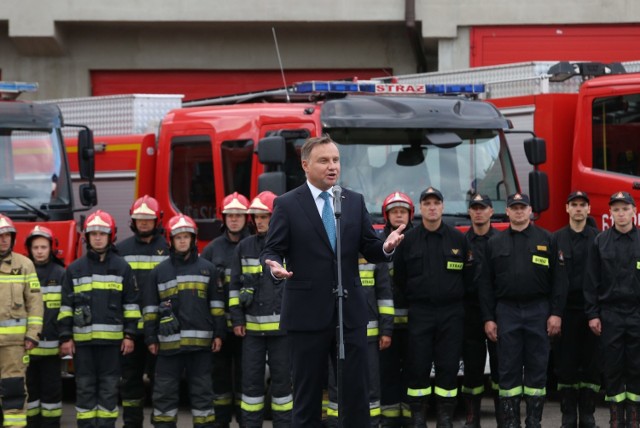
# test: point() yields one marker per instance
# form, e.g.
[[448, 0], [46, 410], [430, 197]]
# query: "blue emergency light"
[[376, 87], [18, 87]]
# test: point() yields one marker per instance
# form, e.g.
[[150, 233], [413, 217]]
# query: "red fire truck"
[[589, 115], [35, 184], [391, 137]]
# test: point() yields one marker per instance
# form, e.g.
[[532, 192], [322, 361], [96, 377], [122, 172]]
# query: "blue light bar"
[[18, 87], [374, 87]]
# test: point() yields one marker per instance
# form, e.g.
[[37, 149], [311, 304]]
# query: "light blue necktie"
[[328, 219]]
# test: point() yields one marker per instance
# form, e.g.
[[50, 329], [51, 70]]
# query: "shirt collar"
[[630, 234], [315, 192]]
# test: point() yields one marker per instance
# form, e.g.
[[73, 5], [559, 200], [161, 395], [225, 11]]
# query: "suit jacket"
[[298, 238]]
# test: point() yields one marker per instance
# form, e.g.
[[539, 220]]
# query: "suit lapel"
[[310, 209]]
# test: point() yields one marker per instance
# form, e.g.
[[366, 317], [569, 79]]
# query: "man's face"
[[323, 166], [578, 209], [519, 214], [480, 215], [623, 214], [145, 226], [235, 222], [262, 222], [5, 242], [182, 242], [98, 241], [40, 249], [398, 216], [431, 209]]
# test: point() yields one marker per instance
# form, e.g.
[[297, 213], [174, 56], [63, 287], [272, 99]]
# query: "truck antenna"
[[284, 81]]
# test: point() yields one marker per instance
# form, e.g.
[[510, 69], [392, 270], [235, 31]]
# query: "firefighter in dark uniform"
[[474, 350], [575, 351], [522, 291], [377, 286], [44, 383], [612, 305], [397, 209], [227, 364], [143, 251], [97, 321], [254, 301], [183, 324], [430, 267]]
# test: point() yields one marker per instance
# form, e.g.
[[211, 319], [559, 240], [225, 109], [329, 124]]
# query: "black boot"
[[616, 415], [510, 412], [472, 410], [418, 414], [498, 413], [631, 409], [535, 405], [569, 407], [445, 408], [587, 408]]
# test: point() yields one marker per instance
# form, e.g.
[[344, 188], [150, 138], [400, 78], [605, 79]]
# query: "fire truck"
[[589, 115], [391, 137], [35, 183]]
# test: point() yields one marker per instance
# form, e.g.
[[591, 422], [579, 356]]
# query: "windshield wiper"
[[21, 203]]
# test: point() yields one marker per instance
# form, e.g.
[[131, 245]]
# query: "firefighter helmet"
[[397, 199], [181, 223], [235, 203], [41, 232], [101, 221], [6, 225], [262, 204], [145, 208]]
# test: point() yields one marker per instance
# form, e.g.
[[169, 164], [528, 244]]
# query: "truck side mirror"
[[271, 150], [539, 191], [536, 150], [275, 181], [86, 155], [88, 194]]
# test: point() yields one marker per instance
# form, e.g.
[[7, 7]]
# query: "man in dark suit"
[[301, 235]]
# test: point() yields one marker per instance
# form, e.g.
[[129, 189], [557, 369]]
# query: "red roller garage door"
[[204, 84], [506, 44]]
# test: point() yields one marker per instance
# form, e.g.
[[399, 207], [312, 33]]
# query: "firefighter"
[[377, 287], [576, 353], [430, 267], [143, 251], [44, 384], [397, 209], [522, 287], [97, 321], [254, 302], [184, 323], [612, 305], [475, 346], [20, 324], [227, 364]]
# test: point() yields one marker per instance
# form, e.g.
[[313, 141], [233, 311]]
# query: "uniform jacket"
[[109, 288], [189, 288], [262, 317], [20, 301], [50, 277], [377, 286], [421, 277], [296, 233], [477, 248], [143, 257], [536, 274]]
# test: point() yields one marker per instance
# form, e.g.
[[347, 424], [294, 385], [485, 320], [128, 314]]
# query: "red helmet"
[[235, 203], [42, 232], [397, 199], [101, 221], [181, 223], [262, 204], [145, 208]]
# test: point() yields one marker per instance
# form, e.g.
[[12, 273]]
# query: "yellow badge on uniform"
[[637, 265], [34, 285], [539, 260], [541, 248], [455, 265], [25, 360]]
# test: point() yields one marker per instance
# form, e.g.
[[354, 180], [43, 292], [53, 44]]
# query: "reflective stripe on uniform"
[[263, 323], [98, 331], [252, 404], [385, 307]]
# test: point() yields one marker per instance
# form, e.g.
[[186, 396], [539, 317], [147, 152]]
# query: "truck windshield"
[[475, 163], [33, 177]]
